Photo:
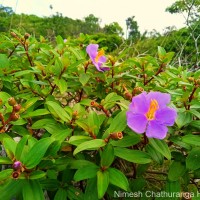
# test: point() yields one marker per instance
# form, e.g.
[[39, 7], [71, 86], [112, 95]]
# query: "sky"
[[149, 14]]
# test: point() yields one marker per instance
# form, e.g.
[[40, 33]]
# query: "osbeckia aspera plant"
[[149, 113], [97, 57]]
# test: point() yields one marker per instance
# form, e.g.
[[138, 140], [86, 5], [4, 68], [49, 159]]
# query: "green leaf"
[[59, 40], [195, 123], [88, 145], [161, 52], [5, 160], [4, 62], [126, 141], [93, 122], [191, 139], [91, 189], [10, 189], [30, 102], [57, 110], [107, 156], [21, 146], [156, 156], [192, 161], [161, 147], [195, 113], [10, 146], [118, 179], [35, 113], [118, 124], [175, 174], [84, 78], [36, 153], [24, 72], [173, 187], [37, 175], [111, 100], [78, 164], [183, 119], [134, 156], [5, 174], [61, 194], [32, 190], [4, 97], [86, 102], [78, 139], [86, 172], [74, 193], [49, 124], [62, 85], [61, 135], [102, 183]]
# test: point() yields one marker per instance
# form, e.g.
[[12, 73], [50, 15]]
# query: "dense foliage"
[[64, 132]]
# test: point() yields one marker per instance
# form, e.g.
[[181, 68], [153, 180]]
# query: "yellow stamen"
[[152, 109], [99, 54]]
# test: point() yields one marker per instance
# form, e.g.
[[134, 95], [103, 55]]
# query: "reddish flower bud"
[[17, 107], [15, 117], [12, 101], [15, 174], [117, 135], [94, 104]]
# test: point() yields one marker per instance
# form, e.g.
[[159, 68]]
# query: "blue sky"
[[150, 14]]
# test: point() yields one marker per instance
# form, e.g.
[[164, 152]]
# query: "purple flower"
[[149, 113], [97, 57]]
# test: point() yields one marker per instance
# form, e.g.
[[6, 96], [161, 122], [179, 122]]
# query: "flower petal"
[[139, 104], [136, 122], [166, 116], [156, 130], [105, 68], [102, 59], [92, 50], [162, 98]]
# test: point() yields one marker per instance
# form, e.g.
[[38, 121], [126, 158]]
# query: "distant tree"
[[191, 11], [5, 16], [132, 28], [92, 24], [113, 28]]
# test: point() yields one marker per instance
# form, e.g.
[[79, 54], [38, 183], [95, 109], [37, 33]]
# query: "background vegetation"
[[63, 126]]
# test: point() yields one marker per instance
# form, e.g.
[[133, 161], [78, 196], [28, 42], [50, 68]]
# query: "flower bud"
[[17, 107], [12, 101], [15, 174], [13, 34], [27, 35], [117, 135], [15, 117], [1, 101], [94, 104], [190, 79], [17, 165]]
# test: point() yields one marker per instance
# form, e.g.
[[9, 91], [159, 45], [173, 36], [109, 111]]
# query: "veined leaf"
[[118, 179], [102, 183], [86, 172], [134, 156], [161, 147], [60, 112], [88, 145], [36, 153]]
